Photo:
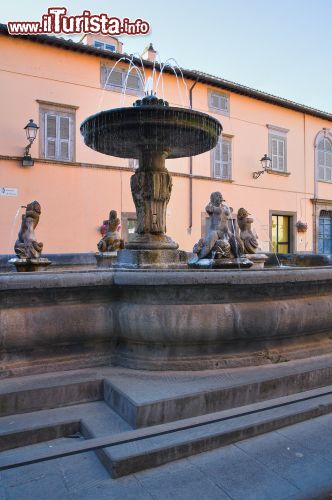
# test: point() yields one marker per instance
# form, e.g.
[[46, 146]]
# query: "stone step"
[[28, 429], [129, 451], [51, 390], [146, 398], [214, 431]]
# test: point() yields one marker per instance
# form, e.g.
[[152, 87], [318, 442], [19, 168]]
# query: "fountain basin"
[[163, 320], [129, 132]]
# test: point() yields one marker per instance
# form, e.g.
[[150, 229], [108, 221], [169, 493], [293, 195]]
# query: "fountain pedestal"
[[151, 131], [151, 188]]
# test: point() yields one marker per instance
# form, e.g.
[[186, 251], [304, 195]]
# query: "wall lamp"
[[31, 130], [266, 165]]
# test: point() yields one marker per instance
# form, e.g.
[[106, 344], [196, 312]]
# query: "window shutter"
[[278, 153], [133, 82], [327, 145], [223, 103], [324, 160], [114, 77], [321, 158], [64, 137], [58, 128], [219, 101], [103, 74], [281, 155], [226, 159], [50, 135], [217, 165], [274, 149], [214, 101], [321, 173]]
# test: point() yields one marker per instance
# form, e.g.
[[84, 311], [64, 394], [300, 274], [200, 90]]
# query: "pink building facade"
[[59, 83]]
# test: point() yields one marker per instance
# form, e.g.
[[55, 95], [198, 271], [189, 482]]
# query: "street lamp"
[[31, 130], [266, 165]]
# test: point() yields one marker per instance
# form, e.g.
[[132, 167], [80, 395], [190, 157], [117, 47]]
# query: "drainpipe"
[[191, 166]]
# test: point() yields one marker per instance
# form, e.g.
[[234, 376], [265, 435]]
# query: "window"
[[104, 46], [218, 102], [222, 159], [57, 133], [278, 153], [324, 158], [325, 232], [278, 148], [115, 79], [281, 233]]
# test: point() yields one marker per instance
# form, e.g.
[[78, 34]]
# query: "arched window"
[[324, 159]]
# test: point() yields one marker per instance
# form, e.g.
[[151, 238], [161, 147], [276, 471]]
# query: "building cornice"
[[189, 74]]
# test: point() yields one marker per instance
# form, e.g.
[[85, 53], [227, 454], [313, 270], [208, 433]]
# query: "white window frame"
[[58, 112], [104, 46], [278, 148], [105, 69], [223, 97], [218, 171]]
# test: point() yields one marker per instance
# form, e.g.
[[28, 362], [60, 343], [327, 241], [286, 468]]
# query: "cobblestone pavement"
[[294, 462]]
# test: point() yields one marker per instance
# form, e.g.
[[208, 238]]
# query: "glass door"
[[281, 233]]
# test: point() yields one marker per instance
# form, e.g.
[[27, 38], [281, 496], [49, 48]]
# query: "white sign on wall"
[[8, 191]]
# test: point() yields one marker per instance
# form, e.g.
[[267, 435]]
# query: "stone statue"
[[26, 246], [111, 241], [220, 242], [247, 235]]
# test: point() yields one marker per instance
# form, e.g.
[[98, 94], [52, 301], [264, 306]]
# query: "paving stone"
[[45, 486], [314, 435], [84, 470], [29, 473], [187, 483], [2, 492], [290, 460], [127, 488], [170, 467], [241, 476]]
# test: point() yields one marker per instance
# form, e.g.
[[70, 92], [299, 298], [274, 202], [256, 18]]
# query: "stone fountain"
[[151, 131], [152, 312], [158, 316]]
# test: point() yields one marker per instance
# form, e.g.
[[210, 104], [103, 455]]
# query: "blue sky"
[[279, 47]]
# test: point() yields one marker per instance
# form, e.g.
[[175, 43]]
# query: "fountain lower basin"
[[163, 320]]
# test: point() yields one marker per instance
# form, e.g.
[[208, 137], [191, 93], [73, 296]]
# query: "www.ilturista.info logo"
[[56, 21]]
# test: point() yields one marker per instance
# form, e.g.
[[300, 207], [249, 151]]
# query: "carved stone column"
[[151, 188]]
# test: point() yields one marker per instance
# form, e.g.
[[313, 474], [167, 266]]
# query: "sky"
[[281, 47]]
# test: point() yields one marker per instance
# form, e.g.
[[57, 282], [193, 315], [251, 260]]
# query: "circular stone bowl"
[[129, 132]]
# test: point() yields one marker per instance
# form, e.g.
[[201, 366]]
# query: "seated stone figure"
[[220, 242], [247, 235], [26, 246], [111, 241]]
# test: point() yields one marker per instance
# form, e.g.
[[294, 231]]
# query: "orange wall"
[[75, 199]]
